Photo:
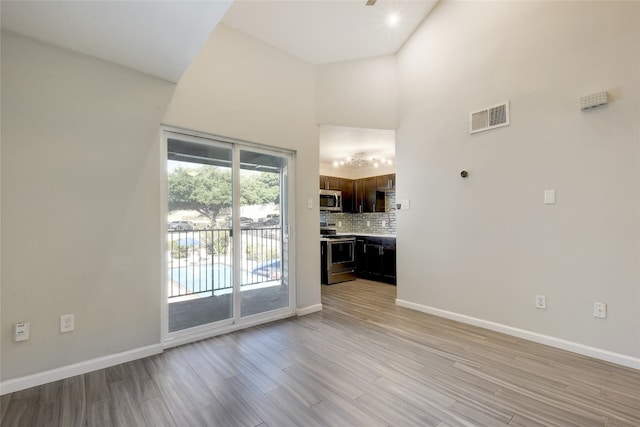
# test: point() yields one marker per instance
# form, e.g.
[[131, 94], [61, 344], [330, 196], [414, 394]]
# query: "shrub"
[[217, 243], [179, 251]]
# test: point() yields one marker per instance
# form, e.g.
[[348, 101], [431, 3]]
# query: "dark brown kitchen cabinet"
[[365, 195], [347, 188], [389, 264], [362, 195], [376, 259], [361, 256], [329, 182], [375, 253], [386, 182]]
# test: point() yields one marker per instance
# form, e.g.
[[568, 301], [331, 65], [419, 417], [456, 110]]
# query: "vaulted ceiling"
[[161, 38]]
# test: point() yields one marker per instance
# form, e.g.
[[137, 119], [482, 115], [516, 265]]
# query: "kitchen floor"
[[362, 361]]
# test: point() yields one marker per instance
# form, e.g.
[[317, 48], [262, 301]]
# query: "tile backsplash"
[[357, 222]]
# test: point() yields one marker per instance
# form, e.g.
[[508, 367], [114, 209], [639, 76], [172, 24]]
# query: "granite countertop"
[[367, 234]]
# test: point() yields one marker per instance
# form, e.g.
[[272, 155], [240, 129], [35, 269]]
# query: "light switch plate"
[[549, 197], [21, 331]]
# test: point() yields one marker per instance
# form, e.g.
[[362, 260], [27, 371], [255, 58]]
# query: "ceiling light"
[[361, 160], [393, 19]]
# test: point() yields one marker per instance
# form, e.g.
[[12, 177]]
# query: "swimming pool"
[[202, 278], [193, 279]]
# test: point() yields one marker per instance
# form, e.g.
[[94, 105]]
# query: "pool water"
[[202, 278], [218, 277]]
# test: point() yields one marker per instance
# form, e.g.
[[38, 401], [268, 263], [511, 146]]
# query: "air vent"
[[489, 118]]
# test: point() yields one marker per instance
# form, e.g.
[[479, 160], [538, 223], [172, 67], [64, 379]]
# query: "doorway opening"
[[227, 256]]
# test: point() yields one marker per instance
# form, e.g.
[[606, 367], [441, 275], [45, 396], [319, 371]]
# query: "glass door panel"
[[264, 242], [199, 244]]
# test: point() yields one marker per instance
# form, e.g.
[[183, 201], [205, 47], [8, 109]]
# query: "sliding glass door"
[[263, 183], [227, 246]]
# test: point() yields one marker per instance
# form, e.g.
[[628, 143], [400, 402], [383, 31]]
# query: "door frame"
[[172, 339]]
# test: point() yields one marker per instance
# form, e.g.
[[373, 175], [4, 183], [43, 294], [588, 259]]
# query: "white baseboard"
[[308, 310], [597, 353], [17, 384]]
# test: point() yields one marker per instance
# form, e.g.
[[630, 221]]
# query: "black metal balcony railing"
[[200, 261]]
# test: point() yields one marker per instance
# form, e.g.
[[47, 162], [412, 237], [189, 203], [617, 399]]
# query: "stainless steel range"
[[337, 256]]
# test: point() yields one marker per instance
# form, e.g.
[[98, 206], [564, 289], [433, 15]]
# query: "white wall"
[[238, 87], [80, 166], [361, 94], [484, 246], [80, 205], [80, 180]]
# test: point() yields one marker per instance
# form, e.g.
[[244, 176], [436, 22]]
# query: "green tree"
[[207, 189], [260, 188]]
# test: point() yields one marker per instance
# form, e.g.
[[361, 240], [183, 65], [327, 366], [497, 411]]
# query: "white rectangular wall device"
[[21, 331], [593, 100]]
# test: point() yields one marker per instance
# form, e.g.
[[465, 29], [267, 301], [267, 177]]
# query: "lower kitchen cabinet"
[[389, 264], [376, 259], [361, 256]]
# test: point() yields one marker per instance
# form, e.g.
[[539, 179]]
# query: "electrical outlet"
[[600, 310], [368, 223], [541, 302], [67, 323], [384, 223]]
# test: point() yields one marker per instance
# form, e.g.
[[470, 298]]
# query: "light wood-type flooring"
[[362, 361]]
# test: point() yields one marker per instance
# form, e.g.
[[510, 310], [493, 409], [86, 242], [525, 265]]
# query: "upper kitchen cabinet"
[[330, 183], [347, 186], [365, 195], [386, 182], [370, 193]]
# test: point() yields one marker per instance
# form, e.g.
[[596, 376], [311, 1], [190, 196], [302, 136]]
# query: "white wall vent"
[[489, 118]]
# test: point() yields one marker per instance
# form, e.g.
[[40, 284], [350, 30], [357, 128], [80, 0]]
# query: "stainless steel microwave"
[[331, 200]]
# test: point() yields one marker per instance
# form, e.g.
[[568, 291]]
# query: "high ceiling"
[[155, 37], [324, 31], [161, 38]]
